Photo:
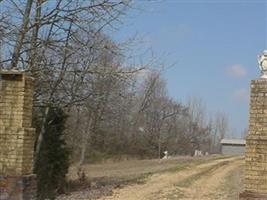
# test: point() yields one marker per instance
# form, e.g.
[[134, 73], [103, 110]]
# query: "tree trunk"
[[23, 30], [159, 149], [33, 53], [84, 144], [41, 136]]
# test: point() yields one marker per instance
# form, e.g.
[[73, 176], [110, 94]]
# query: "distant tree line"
[[102, 105]]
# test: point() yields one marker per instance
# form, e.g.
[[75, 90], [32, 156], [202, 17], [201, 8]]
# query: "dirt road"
[[216, 179], [200, 178]]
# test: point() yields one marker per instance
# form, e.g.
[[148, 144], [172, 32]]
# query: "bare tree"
[[221, 127], [21, 35], [48, 44]]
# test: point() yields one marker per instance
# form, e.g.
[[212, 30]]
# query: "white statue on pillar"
[[262, 60]]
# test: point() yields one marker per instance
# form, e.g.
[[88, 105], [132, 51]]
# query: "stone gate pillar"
[[16, 136], [255, 175]]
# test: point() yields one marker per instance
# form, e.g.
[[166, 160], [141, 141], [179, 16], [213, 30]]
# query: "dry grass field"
[[202, 178]]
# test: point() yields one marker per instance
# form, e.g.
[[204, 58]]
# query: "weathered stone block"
[[18, 188], [16, 137], [255, 177]]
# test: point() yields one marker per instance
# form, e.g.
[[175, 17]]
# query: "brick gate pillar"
[[255, 175], [17, 136]]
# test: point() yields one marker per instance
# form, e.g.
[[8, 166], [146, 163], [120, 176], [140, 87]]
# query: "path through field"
[[215, 179]]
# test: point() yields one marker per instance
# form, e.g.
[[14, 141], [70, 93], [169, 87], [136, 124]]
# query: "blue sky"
[[212, 45]]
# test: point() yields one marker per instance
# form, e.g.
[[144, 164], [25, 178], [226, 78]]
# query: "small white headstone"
[[165, 155]]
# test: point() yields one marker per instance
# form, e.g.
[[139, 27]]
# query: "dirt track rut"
[[201, 182]]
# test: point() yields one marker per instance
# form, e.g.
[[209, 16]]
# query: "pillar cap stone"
[[11, 71], [14, 72]]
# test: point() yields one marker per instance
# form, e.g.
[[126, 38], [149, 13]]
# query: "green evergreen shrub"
[[53, 160]]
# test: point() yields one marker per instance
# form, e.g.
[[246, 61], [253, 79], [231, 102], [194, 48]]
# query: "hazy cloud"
[[143, 73], [147, 40], [236, 71], [183, 32], [241, 94]]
